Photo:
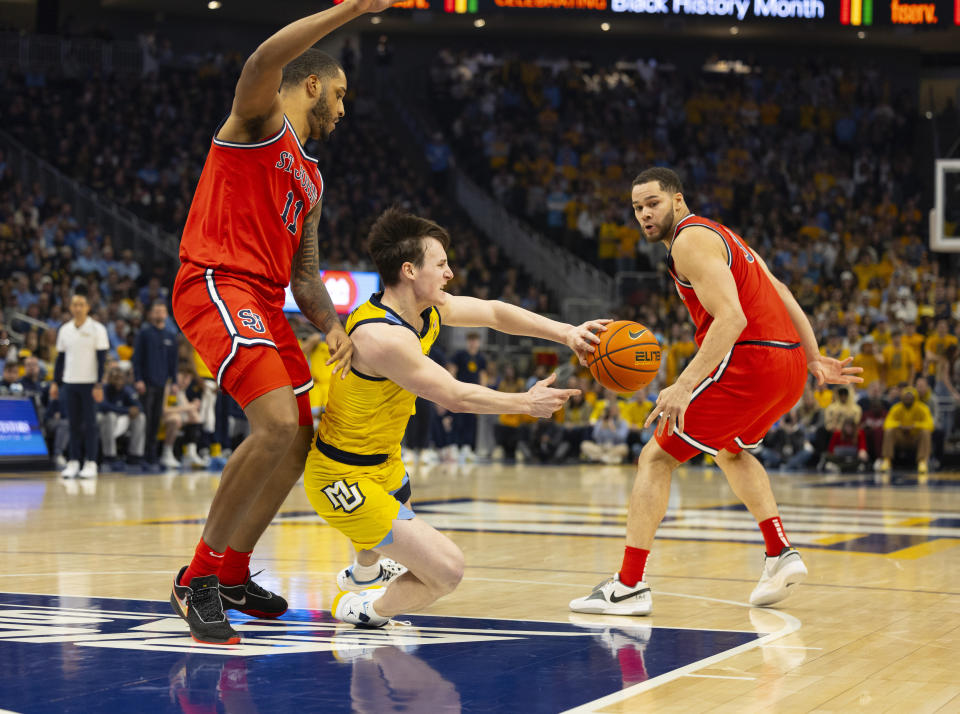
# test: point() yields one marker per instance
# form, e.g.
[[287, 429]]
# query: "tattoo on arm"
[[308, 289]]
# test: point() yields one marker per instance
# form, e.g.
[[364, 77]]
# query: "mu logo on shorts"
[[345, 496], [248, 318]]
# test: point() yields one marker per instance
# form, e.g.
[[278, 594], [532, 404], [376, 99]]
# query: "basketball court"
[[85, 625]]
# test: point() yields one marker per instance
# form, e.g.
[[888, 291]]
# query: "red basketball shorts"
[[734, 408], [238, 328]]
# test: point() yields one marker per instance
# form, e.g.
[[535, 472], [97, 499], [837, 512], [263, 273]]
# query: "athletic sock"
[[774, 536], [634, 565], [206, 561], [365, 573], [235, 567]]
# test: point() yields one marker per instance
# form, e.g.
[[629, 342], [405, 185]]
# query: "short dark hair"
[[397, 238], [81, 290], [313, 61], [667, 178]]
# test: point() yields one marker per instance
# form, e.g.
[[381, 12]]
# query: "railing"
[[146, 240], [71, 56], [561, 271]]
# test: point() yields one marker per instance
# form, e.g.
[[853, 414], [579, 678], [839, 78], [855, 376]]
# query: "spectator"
[[31, 381], [155, 370], [848, 448], [926, 396], [120, 414], [842, 408], [184, 412], [909, 425], [10, 384], [608, 443], [868, 360], [900, 361], [468, 365], [56, 428], [512, 429], [874, 412], [786, 446], [82, 345], [936, 346], [947, 396], [438, 159], [575, 421]]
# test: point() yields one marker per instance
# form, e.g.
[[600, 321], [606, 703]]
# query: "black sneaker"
[[199, 604], [251, 599]]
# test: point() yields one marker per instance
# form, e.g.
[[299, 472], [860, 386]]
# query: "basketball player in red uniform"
[[251, 230], [755, 348]]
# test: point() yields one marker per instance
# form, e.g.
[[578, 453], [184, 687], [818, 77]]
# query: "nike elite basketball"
[[627, 358]]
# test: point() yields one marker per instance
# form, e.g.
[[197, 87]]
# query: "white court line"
[[718, 676], [791, 624]]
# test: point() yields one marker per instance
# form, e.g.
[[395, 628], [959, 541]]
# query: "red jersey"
[[249, 207], [767, 318]]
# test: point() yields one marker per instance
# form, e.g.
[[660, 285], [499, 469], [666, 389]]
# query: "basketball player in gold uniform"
[[354, 475]]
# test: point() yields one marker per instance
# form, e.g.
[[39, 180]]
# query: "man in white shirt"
[[82, 346]]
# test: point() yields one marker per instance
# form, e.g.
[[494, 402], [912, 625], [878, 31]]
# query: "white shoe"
[[611, 597], [429, 457], [390, 570], [351, 644], [169, 461], [89, 470], [71, 470], [779, 573], [195, 461], [59, 462], [357, 608]]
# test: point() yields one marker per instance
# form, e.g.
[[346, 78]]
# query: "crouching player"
[[354, 476]]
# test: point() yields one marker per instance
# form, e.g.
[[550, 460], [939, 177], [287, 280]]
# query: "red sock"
[[634, 563], [234, 567], [632, 667], [206, 561], [774, 535]]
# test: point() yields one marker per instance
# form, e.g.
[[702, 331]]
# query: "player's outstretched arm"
[[256, 94], [825, 369], [312, 297], [462, 311], [394, 353]]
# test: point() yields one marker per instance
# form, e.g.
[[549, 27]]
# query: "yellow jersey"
[[366, 416]]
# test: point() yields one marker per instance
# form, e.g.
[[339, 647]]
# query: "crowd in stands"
[[853, 253], [814, 161], [141, 145]]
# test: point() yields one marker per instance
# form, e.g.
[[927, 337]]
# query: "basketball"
[[627, 358]]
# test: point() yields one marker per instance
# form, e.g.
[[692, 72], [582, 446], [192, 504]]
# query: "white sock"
[[365, 573]]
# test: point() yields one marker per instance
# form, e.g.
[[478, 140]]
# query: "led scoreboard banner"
[[941, 14]]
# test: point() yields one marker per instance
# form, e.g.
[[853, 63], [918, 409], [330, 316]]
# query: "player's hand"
[[341, 351], [373, 5], [832, 371], [544, 400], [97, 393], [140, 386], [671, 405], [582, 338]]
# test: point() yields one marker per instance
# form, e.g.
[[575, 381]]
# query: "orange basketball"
[[627, 358]]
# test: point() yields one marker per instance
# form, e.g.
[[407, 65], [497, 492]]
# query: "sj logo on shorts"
[[248, 318], [344, 496]]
